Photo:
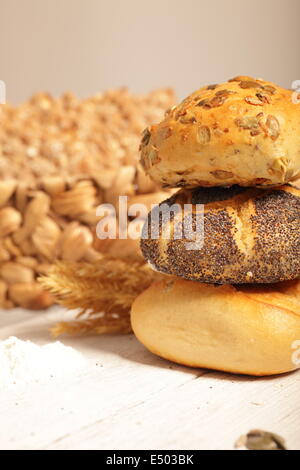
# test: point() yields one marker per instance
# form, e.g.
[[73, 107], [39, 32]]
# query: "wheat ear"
[[103, 292]]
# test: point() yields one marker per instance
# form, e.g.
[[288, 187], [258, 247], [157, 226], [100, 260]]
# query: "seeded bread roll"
[[246, 330], [245, 131], [251, 235]]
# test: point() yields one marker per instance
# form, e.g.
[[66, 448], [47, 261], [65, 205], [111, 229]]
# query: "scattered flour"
[[24, 362]]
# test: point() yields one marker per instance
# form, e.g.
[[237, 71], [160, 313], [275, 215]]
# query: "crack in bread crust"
[[244, 232]]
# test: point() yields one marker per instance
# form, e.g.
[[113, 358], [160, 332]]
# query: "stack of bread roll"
[[233, 304]]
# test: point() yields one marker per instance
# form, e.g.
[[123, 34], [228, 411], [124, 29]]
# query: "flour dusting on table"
[[26, 362]]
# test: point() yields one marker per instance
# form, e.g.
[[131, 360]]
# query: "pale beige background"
[[91, 45]]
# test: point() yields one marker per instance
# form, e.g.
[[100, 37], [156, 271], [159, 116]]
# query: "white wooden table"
[[126, 398]]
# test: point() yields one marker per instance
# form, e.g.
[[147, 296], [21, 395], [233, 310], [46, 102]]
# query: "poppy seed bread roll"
[[251, 235], [245, 330], [245, 131]]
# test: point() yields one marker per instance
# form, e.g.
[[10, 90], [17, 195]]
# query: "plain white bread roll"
[[249, 330]]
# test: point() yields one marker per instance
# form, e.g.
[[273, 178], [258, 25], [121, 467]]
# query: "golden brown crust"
[[251, 235], [245, 131], [245, 330]]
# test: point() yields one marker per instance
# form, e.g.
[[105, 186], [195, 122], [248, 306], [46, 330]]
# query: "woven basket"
[[48, 207]]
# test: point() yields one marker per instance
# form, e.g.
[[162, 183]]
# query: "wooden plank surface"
[[126, 398]]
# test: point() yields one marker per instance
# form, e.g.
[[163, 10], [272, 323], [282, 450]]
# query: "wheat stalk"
[[103, 292]]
